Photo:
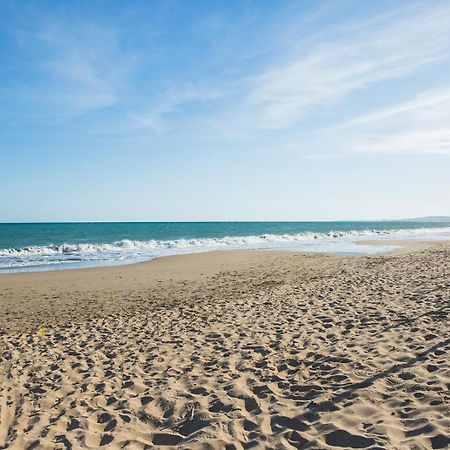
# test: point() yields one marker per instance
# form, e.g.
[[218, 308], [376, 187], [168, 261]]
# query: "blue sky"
[[232, 110]]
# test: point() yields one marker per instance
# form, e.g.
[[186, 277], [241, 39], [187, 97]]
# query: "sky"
[[224, 110]]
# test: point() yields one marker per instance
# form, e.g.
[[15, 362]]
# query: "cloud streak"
[[293, 86], [325, 73], [74, 65], [417, 126]]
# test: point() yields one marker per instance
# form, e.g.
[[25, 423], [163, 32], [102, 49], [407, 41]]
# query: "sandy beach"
[[230, 350]]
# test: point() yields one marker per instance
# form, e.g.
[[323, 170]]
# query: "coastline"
[[401, 245], [233, 348], [54, 246]]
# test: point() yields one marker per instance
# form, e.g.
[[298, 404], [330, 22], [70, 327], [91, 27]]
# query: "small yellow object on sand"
[[42, 331]]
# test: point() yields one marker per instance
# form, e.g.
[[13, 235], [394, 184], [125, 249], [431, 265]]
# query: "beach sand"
[[230, 350]]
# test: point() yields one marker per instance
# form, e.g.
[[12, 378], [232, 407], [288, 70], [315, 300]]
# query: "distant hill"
[[428, 219]]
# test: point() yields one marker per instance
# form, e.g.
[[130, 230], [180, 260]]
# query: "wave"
[[127, 245]]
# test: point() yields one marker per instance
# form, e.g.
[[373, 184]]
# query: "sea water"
[[46, 246]]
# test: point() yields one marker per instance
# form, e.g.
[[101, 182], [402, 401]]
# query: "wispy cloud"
[[429, 107], [428, 142], [324, 73], [254, 79], [173, 99], [86, 64], [74, 65], [81, 65], [417, 126]]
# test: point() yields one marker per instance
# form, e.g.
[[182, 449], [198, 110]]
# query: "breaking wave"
[[126, 245]]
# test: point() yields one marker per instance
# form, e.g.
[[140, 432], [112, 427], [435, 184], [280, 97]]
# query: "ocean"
[[48, 246]]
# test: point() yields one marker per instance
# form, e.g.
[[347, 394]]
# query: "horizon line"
[[222, 221]]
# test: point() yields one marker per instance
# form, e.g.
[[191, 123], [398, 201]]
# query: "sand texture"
[[231, 350]]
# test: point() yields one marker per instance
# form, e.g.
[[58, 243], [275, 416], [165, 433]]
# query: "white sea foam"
[[264, 240]]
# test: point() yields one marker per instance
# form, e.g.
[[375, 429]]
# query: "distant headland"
[[428, 219]]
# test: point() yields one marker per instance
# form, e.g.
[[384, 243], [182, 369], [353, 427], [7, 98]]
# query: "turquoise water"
[[38, 246]]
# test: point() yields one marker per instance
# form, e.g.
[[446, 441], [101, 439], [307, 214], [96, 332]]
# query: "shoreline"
[[402, 244]]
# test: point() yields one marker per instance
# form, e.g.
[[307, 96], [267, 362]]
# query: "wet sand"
[[230, 350]]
